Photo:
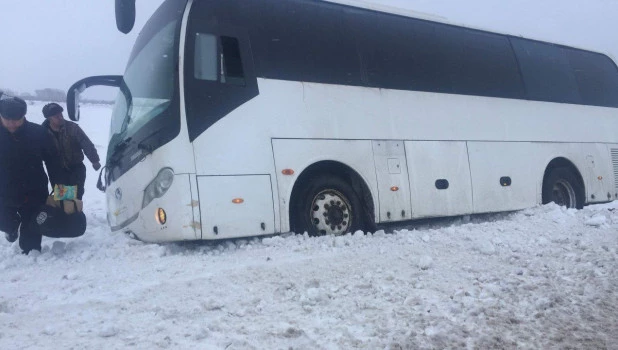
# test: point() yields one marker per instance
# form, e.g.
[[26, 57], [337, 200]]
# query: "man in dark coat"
[[71, 143], [23, 182]]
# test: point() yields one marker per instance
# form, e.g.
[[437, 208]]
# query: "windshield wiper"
[[145, 146], [120, 146]]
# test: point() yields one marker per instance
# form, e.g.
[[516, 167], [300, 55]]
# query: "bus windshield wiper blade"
[[144, 145], [120, 146]]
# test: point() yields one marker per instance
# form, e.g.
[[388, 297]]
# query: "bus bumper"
[[168, 218]]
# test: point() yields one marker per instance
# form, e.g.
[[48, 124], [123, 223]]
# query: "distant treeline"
[[48, 94]]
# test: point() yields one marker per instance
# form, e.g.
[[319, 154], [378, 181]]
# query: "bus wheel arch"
[[563, 184], [332, 181]]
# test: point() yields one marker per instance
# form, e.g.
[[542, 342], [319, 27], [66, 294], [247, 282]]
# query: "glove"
[[96, 166]]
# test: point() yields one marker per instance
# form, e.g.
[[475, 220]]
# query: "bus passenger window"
[[232, 63], [205, 57]]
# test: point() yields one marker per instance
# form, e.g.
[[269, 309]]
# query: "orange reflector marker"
[[237, 200], [287, 172], [394, 188], [161, 216]]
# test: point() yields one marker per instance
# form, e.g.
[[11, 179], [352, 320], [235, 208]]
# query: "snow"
[[544, 277]]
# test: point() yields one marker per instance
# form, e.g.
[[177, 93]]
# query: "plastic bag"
[[65, 192]]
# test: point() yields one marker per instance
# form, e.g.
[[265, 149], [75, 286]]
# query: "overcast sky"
[[53, 43]]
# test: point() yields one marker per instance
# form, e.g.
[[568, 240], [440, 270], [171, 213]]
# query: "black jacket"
[[22, 178]]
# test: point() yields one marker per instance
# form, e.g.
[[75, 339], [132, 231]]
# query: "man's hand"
[[96, 166]]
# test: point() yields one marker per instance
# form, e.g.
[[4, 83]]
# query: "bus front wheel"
[[563, 188], [328, 206]]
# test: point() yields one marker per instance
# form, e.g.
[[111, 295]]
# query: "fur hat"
[[13, 108], [52, 109]]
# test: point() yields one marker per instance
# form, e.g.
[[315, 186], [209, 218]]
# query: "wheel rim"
[[563, 194], [330, 213]]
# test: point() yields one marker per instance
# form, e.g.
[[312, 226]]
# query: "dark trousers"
[[23, 219], [76, 175]]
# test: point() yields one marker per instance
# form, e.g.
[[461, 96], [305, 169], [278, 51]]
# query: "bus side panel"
[[439, 178], [300, 154], [236, 206], [195, 206], [393, 184], [613, 154], [525, 166], [598, 173], [506, 175]]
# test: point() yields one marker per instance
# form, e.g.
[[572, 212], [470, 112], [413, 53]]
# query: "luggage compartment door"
[[235, 206], [439, 178]]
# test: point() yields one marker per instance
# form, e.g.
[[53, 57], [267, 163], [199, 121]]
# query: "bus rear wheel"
[[563, 188], [328, 206]]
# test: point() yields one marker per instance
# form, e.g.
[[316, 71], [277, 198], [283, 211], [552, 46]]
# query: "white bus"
[[245, 118]]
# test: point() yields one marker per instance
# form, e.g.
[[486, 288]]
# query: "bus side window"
[[207, 65], [205, 57], [232, 63]]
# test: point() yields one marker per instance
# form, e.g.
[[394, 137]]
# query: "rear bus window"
[[596, 77]]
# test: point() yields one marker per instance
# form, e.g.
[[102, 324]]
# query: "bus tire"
[[563, 188], [328, 206]]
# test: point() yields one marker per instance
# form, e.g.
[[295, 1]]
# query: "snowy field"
[[543, 278]]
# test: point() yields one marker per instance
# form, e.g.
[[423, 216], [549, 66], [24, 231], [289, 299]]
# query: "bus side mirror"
[[73, 101], [125, 15], [76, 89]]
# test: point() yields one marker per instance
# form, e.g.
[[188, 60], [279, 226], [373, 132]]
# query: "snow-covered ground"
[[542, 278]]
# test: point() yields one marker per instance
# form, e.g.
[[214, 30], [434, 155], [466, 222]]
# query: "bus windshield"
[[148, 83]]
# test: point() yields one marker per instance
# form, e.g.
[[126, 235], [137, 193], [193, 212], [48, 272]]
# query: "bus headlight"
[[157, 188]]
